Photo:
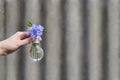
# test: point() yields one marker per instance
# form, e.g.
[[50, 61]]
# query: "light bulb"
[[36, 52]]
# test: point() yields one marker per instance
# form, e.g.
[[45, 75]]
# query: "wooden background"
[[82, 41]]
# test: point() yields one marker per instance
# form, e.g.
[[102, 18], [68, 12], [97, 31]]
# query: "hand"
[[14, 42]]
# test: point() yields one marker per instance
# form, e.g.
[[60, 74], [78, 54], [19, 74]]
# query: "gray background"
[[82, 41]]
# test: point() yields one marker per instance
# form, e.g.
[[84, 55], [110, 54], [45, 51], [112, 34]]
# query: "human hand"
[[14, 42]]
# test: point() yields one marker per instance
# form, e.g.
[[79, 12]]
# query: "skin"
[[14, 42]]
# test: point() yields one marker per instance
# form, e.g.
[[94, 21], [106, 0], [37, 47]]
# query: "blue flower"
[[36, 30]]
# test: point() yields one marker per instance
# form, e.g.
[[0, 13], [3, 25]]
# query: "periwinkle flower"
[[36, 30]]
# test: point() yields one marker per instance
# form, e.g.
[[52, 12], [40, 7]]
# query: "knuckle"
[[19, 32]]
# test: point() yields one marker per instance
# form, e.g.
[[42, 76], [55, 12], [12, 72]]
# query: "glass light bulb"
[[36, 52]]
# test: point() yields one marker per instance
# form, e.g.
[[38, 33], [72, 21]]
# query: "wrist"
[[2, 50]]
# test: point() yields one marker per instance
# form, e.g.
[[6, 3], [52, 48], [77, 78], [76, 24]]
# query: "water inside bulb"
[[36, 52]]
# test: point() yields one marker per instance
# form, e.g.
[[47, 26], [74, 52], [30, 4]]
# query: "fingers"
[[24, 38], [26, 41], [23, 35], [40, 38]]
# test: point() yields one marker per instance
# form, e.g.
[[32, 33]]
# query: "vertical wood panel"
[[73, 40], [2, 18], [95, 53], [53, 40], [33, 11], [2, 33], [32, 69], [12, 20], [114, 25]]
